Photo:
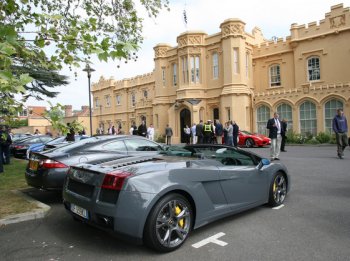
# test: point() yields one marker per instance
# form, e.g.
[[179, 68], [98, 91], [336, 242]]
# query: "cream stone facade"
[[235, 75]]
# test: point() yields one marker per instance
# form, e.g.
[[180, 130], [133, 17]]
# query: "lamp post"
[[89, 70]]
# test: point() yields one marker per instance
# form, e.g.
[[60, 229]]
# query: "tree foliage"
[[38, 37], [51, 34]]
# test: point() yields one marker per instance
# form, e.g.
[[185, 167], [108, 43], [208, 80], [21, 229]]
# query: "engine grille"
[[82, 189]]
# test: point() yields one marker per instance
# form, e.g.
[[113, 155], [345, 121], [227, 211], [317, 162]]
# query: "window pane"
[[308, 121], [329, 111]]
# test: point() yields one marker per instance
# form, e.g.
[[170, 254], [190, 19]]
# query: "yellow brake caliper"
[[177, 212]]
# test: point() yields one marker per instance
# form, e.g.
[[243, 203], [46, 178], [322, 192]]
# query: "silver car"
[[159, 199]]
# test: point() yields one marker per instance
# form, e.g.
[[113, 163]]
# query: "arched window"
[[313, 68], [285, 112], [275, 75], [308, 120], [263, 115], [329, 111]]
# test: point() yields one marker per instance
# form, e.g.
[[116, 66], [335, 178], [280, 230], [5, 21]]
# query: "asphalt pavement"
[[313, 224]]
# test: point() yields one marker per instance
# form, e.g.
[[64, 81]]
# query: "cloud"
[[273, 17]]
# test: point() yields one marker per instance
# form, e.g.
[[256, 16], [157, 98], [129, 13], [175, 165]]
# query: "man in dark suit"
[[199, 132], [284, 134], [275, 129]]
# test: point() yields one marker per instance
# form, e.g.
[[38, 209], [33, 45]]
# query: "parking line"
[[212, 239], [279, 207]]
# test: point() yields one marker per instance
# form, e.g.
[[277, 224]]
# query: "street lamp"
[[89, 70]]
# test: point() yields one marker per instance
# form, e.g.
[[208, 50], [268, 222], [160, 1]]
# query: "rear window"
[[80, 143]]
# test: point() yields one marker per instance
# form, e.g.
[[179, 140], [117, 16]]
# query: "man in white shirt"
[[274, 126], [150, 132]]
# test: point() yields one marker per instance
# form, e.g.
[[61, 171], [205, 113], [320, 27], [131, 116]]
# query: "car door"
[[242, 182]]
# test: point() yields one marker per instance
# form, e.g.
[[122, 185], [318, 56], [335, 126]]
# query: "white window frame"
[[236, 60], [118, 99], [215, 65], [174, 74], [313, 68], [275, 75]]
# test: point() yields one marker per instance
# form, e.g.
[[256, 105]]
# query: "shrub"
[[323, 137], [159, 138]]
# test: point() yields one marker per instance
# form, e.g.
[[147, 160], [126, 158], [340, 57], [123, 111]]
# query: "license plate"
[[79, 211], [33, 165]]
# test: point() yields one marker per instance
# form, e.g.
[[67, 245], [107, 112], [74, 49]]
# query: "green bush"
[[323, 137], [159, 138]]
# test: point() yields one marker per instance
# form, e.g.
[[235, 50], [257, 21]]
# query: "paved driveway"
[[314, 224]]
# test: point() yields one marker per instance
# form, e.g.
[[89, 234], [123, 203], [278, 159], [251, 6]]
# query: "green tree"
[[50, 34]]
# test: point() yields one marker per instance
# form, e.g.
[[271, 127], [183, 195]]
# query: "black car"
[[20, 147], [48, 169]]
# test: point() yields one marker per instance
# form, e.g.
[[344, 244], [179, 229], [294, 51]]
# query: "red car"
[[249, 140]]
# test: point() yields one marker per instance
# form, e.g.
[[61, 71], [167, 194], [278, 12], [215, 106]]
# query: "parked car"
[[56, 142], [159, 199], [20, 147], [47, 169], [249, 140], [20, 136]]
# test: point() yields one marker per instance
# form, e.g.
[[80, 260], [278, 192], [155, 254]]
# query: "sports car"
[[160, 199], [250, 140], [47, 169]]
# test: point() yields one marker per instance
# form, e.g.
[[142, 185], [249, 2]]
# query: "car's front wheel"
[[169, 223], [278, 190], [249, 143]]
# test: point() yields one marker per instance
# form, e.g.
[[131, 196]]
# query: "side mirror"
[[263, 162]]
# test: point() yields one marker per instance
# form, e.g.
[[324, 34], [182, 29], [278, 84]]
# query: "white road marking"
[[212, 239], [279, 207]]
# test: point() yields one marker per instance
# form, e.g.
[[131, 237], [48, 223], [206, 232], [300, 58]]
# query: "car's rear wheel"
[[278, 190], [249, 143], [169, 223]]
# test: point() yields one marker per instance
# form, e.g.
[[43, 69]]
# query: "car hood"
[[138, 165]]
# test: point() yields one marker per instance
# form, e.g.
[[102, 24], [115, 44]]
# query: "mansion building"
[[240, 76]]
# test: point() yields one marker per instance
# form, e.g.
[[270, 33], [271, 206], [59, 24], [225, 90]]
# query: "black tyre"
[[278, 190], [169, 223], [249, 143]]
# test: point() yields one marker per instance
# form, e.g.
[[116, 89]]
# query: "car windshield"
[[225, 155], [79, 143]]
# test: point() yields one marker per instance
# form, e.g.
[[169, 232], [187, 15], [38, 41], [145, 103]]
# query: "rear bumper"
[[46, 179]]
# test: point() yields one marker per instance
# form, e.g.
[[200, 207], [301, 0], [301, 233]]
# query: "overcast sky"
[[273, 17]]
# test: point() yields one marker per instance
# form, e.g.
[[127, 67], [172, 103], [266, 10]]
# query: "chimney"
[[68, 111], [85, 110]]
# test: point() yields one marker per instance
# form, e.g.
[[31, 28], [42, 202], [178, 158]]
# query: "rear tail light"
[[115, 180], [52, 164]]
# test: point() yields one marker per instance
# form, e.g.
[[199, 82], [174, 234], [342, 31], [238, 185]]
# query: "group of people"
[[212, 133], [142, 130], [278, 129]]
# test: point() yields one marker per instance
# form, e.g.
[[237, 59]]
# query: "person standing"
[[142, 130], [6, 141], [235, 132], [199, 132], [1, 153], [71, 133], [168, 134], [274, 127], [150, 132], [229, 134], [218, 131], [208, 132], [284, 134], [193, 133], [187, 132], [340, 127]]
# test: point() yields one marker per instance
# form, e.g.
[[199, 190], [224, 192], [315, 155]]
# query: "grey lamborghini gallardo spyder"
[[159, 199]]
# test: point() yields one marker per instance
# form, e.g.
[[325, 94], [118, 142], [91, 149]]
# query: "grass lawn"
[[13, 179]]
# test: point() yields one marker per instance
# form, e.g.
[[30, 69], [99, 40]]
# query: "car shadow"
[[44, 196]]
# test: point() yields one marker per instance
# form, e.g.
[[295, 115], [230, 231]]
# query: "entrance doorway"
[[185, 119]]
